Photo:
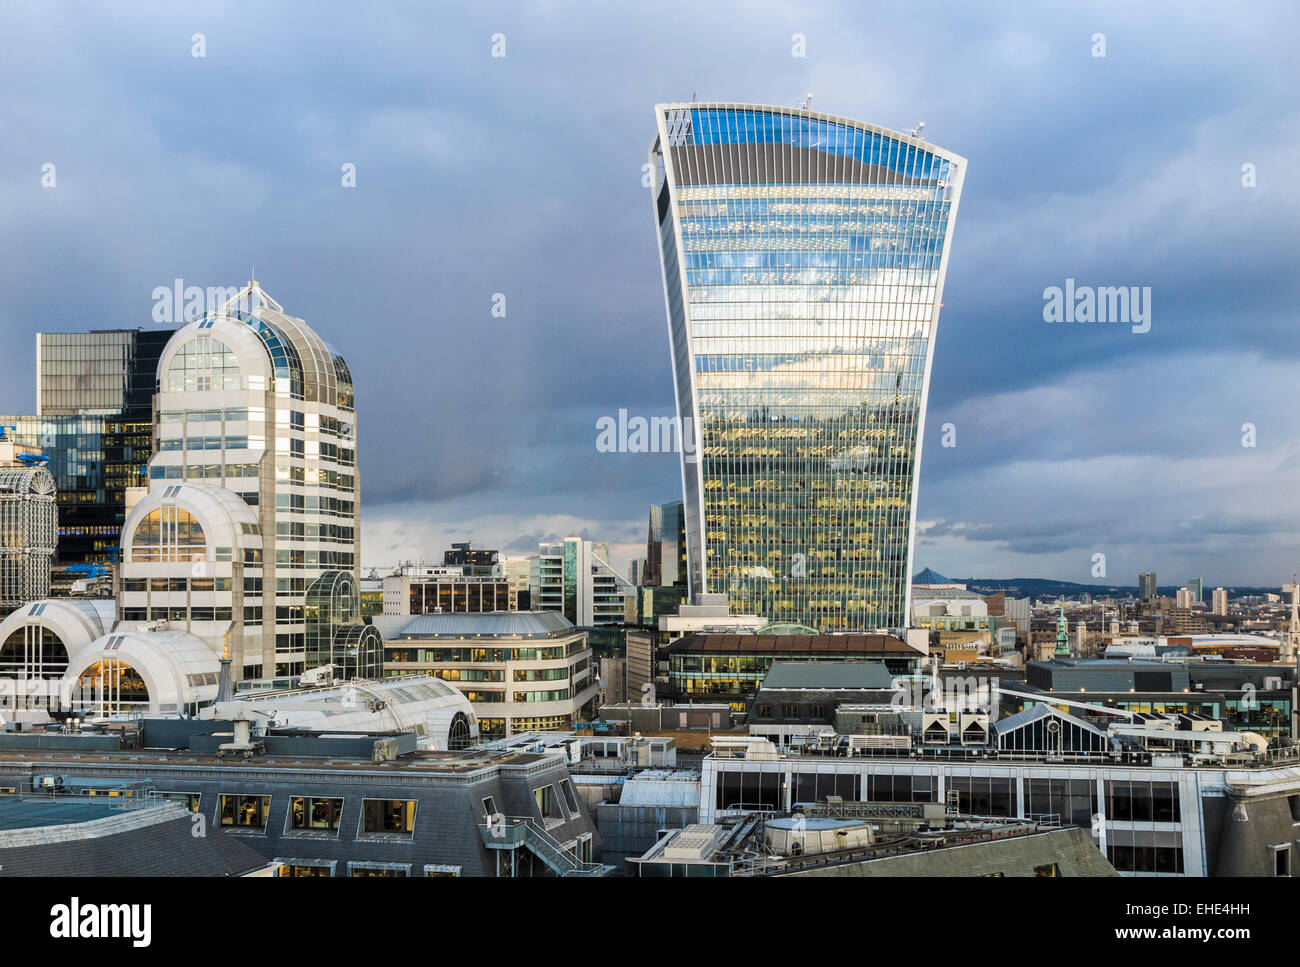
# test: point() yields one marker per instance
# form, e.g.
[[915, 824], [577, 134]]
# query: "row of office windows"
[[323, 815], [792, 710], [492, 695], [177, 614], [1073, 801], [329, 479], [204, 471], [252, 585], [312, 504], [313, 868], [308, 813], [498, 655], [171, 444], [321, 477], [293, 419], [179, 584], [300, 530], [305, 558]]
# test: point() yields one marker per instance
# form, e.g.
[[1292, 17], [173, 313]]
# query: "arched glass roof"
[[786, 628], [284, 357]]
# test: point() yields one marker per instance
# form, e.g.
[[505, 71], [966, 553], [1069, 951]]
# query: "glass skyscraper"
[[665, 563], [803, 262], [94, 420]]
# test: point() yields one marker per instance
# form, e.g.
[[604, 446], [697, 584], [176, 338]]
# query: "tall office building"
[[94, 420], [1147, 585], [803, 260], [665, 561], [1197, 587], [250, 532], [574, 577]]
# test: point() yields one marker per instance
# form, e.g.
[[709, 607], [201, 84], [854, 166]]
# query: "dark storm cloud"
[[521, 176]]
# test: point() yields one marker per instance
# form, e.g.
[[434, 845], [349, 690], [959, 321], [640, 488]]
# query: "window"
[[489, 806], [168, 534], [248, 811], [393, 816], [1142, 801], [311, 813], [190, 800], [203, 363], [1281, 860], [379, 869], [547, 804], [1144, 851], [439, 869], [570, 797], [1049, 869], [749, 788], [305, 869]]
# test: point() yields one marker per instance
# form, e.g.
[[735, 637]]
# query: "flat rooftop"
[[17, 812], [452, 763], [828, 675]]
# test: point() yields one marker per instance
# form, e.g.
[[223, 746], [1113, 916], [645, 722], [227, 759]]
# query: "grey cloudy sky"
[[522, 175]]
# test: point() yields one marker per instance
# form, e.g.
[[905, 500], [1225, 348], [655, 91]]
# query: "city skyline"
[[1116, 170]]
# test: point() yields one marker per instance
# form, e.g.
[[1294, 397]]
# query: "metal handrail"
[[544, 845]]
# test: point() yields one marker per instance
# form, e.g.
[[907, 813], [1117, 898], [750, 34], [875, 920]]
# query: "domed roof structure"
[[149, 672]]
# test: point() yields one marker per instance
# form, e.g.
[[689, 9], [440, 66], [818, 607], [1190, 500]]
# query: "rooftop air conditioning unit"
[[974, 728], [934, 728]]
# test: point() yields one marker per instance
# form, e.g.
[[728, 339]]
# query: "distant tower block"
[[1293, 633]]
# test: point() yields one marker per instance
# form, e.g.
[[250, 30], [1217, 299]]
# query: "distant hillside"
[[1049, 588]]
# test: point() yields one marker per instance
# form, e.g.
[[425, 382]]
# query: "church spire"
[[1062, 634]]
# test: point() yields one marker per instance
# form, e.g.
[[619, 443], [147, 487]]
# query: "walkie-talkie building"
[[803, 263]]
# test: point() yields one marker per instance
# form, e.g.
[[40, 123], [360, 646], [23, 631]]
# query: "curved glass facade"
[[803, 261], [284, 357]]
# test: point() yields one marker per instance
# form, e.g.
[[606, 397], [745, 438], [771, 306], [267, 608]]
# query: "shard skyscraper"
[[803, 262]]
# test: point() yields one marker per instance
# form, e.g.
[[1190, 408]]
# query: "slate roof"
[[1070, 850], [846, 645], [828, 675], [522, 623], [1036, 712], [86, 839]]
